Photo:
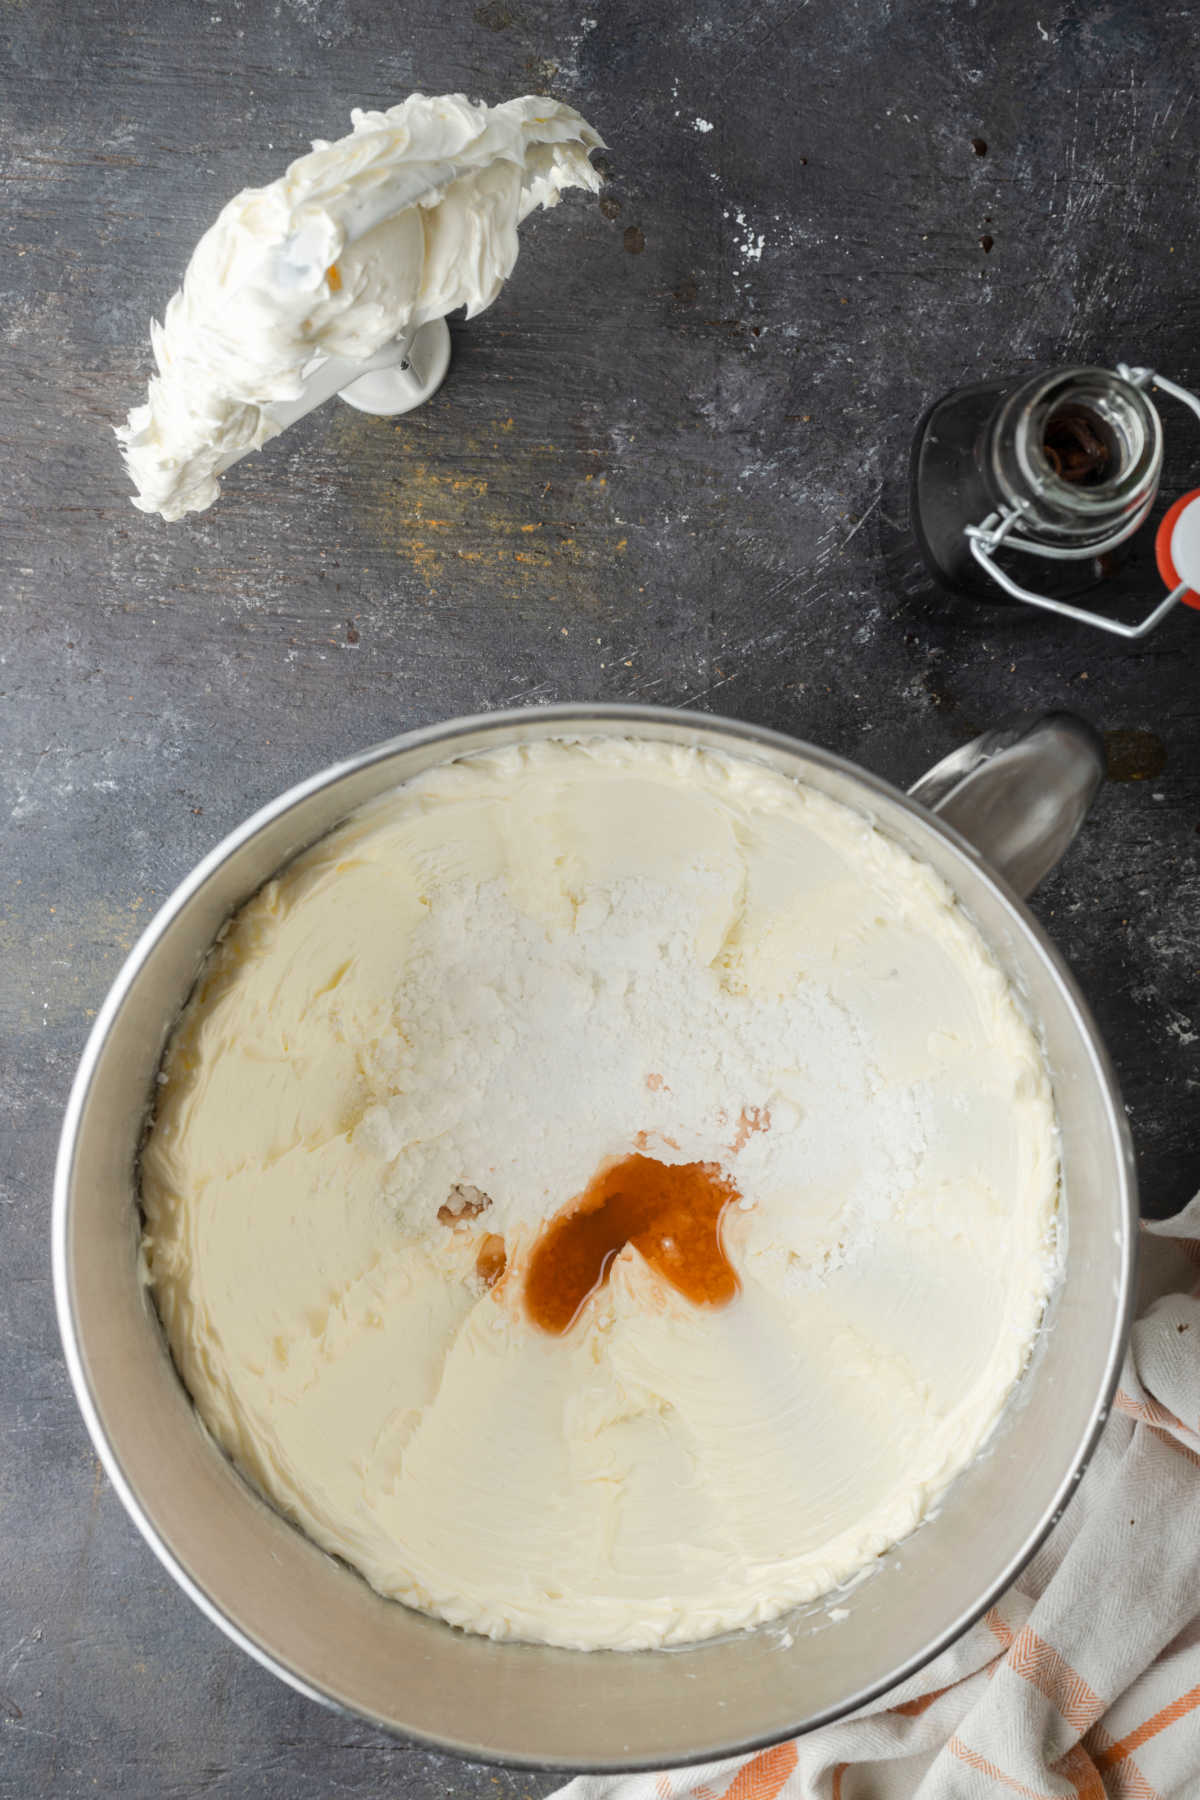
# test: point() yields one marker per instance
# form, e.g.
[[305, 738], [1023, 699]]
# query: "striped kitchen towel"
[[1085, 1679]]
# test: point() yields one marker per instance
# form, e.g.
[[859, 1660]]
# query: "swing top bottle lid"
[[1177, 547]]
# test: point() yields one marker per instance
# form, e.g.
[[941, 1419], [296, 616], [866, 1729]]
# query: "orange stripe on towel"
[[1126, 1782], [973, 1760], [1150, 1412], [765, 1776], [1151, 1727], [1082, 1773], [1076, 1766], [912, 1709], [1043, 1668]]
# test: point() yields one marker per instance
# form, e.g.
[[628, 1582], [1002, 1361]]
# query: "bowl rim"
[[608, 718]]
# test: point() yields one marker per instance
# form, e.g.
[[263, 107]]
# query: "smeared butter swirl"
[[413, 214]]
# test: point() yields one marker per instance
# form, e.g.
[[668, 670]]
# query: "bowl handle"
[[1020, 792]]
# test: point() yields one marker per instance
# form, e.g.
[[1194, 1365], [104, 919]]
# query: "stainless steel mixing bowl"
[[1020, 795]]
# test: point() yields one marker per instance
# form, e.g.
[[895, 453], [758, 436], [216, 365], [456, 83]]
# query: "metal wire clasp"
[[1002, 527]]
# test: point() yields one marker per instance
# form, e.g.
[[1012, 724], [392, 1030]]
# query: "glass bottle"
[[1066, 462]]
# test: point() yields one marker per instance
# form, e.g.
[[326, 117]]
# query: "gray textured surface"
[[663, 467]]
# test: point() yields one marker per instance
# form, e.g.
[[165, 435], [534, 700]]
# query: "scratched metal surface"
[[665, 466]]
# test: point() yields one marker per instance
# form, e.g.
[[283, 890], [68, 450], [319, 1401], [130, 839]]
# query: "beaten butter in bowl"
[[605, 1191]]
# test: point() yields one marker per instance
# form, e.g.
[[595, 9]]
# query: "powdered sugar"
[[526, 1053]]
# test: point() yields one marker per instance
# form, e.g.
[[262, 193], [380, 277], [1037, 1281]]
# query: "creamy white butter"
[[517, 967], [413, 214]]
